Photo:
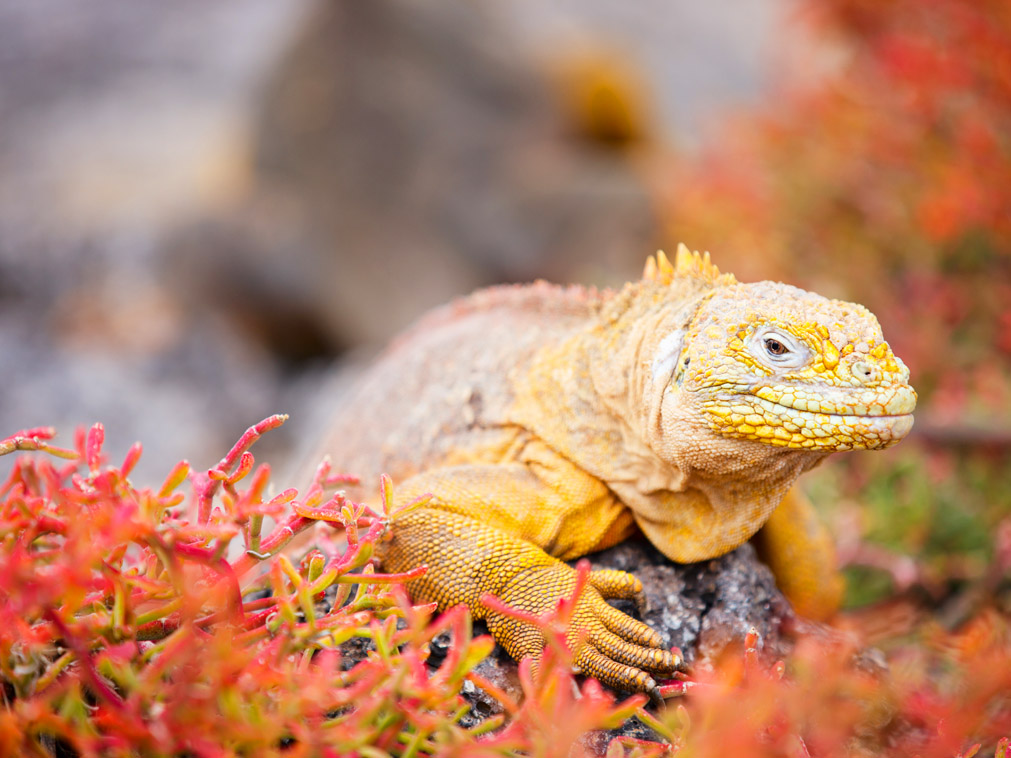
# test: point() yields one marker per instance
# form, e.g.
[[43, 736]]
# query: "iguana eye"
[[775, 347], [778, 349]]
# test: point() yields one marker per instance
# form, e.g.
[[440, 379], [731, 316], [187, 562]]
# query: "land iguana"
[[550, 422]]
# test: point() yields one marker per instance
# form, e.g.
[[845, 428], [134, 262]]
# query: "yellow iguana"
[[550, 422]]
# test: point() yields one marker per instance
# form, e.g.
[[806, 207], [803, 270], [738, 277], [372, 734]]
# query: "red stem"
[[275, 541], [206, 488], [102, 690], [158, 629]]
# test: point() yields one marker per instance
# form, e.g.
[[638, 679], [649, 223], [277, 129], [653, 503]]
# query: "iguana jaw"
[[816, 418]]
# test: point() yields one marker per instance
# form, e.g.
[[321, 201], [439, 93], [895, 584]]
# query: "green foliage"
[[922, 518]]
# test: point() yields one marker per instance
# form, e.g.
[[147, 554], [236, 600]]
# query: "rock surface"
[[703, 607]]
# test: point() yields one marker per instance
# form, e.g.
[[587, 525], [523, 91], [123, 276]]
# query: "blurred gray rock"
[[202, 204], [118, 122], [423, 154]]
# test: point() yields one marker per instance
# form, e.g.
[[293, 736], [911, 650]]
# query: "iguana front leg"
[[473, 545], [799, 549]]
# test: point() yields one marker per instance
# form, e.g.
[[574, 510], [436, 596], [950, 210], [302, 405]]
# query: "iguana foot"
[[609, 645], [470, 560]]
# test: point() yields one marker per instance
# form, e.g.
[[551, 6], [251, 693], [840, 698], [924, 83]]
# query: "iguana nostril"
[[863, 371]]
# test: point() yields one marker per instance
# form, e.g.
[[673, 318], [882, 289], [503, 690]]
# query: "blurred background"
[[209, 211]]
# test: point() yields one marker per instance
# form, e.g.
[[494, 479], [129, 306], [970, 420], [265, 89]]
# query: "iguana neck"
[[587, 396]]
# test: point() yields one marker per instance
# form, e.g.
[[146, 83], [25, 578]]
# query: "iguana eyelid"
[[796, 357]]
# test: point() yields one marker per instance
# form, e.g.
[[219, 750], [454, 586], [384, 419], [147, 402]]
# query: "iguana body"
[[551, 422]]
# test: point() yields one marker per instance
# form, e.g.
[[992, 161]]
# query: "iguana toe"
[[615, 584], [627, 627], [649, 658], [592, 662]]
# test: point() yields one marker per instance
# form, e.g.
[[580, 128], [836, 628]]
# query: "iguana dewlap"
[[550, 422]]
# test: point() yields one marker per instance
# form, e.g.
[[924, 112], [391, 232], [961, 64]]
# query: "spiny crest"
[[686, 264]]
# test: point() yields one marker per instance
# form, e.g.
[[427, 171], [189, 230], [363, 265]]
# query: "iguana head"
[[776, 364]]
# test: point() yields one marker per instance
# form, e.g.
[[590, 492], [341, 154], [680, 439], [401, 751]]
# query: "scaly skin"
[[552, 422]]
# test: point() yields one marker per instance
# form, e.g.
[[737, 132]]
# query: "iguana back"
[[441, 391]]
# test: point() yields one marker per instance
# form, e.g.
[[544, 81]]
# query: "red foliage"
[[124, 630], [940, 699]]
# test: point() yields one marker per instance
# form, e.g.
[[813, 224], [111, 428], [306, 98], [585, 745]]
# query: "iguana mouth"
[[890, 401], [816, 417]]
